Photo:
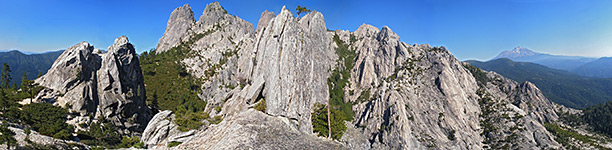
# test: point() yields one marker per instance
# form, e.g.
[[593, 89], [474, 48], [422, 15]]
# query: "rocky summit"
[[95, 85], [292, 83]]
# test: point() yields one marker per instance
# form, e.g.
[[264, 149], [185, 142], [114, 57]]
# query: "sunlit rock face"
[[99, 85]]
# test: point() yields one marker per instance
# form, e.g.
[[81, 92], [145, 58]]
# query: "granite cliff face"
[[178, 24], [404, 96], [99, 85]]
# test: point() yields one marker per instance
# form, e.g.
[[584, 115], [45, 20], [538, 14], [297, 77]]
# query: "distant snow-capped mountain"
[[567, 63]]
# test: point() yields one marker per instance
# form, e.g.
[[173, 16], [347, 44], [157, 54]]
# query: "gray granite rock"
[[161, 130], [253, 129], [264, 20], [294, 60], [38, 139], [93, 85], [180, 21]]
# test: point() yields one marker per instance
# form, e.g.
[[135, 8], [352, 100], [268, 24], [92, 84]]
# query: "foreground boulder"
[[253, 129]]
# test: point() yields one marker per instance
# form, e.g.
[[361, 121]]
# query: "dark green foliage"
[[216, 120], [168, 85], [188, 120], [319, 122], [5, 76], [101, 133], [564, 136], [300, 10], [218, 108], [479, 75], [173, 144], [31, 64], [5, 102], [488, 120], [340, 110], [29, 86], [261, 106], [339, 79], [127, 142], [8, 105], [599, 117], [364, 96], [571, 119], [7, 136], [47, 120], [35, 146], [559, 86]]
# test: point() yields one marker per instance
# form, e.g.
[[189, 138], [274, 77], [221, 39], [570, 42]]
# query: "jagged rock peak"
[[120, 41], [366, 30], [180, 21], [212, 13], [294, 59], [63, 74], [265, 18], [387, 34]]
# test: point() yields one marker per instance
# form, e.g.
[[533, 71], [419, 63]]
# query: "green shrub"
[[7, 136], [173, 144], [599, 117], [171, 87], [364, 96], [218, 108], [563, 135], [101, 133], [47, 120], [320, 124], [188, 120], [479, 75], [216, 119], [261, 106], [127, 142], [339, 80]]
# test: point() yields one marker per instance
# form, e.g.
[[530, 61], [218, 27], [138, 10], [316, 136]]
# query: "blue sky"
[[469, 29]]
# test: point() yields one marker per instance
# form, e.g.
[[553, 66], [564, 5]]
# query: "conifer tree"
[[5, 76]]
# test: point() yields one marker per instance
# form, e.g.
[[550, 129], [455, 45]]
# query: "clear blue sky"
[[469, 29]]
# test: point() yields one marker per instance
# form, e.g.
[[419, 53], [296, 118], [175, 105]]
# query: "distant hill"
[[31, 64], [600, 68], [561, 62], [560, 86]]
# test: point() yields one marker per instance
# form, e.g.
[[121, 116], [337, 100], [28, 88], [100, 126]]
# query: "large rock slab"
[[161, 130], [253, 129], [294, 59]]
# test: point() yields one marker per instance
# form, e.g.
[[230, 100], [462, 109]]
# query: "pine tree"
[[4, 101], [300, 10], [28, 86], [7, 136], [5, 76], [23, 80]]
